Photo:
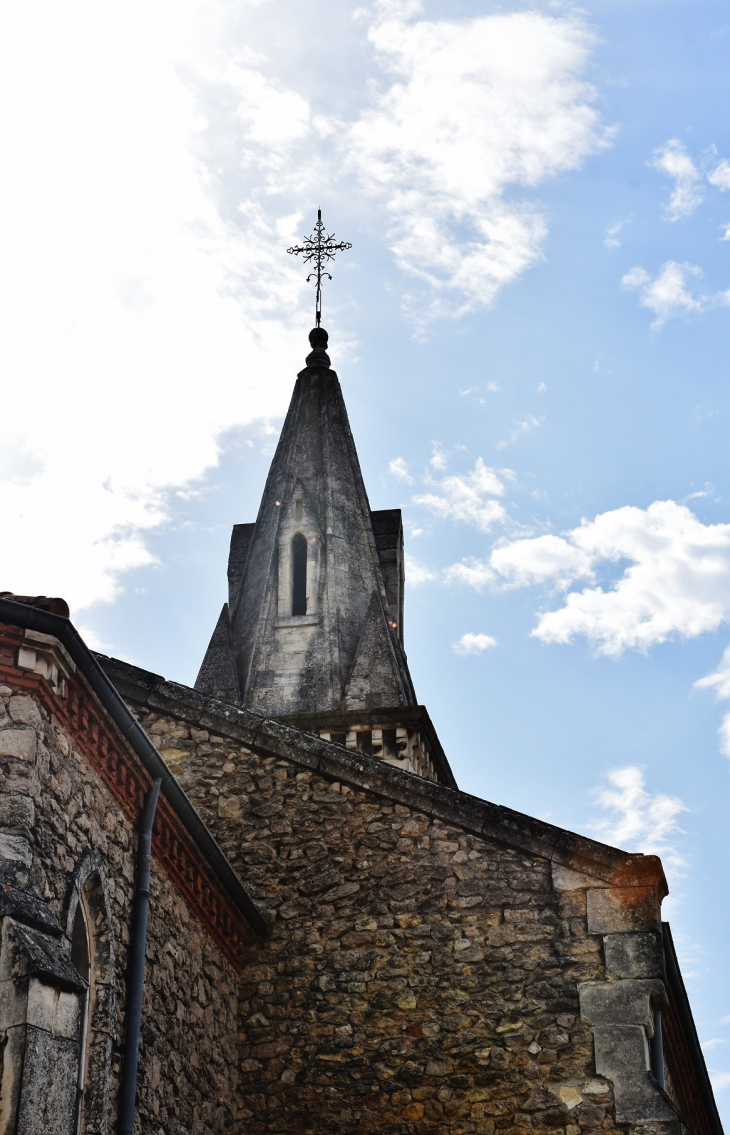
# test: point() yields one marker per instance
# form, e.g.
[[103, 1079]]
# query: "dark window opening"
[[81, 958], [80, 944], [299, 575]]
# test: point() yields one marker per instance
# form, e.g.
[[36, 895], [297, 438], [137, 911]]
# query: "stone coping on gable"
[[610, 865]]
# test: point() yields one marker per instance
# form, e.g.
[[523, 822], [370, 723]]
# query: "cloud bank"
[[152, 182], [677, 581], [479, 111]]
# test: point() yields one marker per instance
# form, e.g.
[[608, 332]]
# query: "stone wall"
[[64, 834], [419, 977]]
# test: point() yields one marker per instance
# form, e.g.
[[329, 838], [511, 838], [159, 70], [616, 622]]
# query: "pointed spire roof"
[[343, 649]]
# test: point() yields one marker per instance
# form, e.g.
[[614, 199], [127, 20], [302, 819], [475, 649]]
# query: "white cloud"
[[478, 108], [471, 571], [137, 317], [145, 289], [668, 294], [638, 820], [677, 580], [720, 1081], [719, 681], [438, 457], [471, 643], [417, 573], [611, 238], [720, 175], [526, 426], [399, 468], [714, 1042], [468, 497], [673, 160], [540, 559]]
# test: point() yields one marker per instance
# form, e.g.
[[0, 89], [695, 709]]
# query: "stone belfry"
[[312, 633]]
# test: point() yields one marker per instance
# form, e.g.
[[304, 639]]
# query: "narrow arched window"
[[81, 958], [299, 575]]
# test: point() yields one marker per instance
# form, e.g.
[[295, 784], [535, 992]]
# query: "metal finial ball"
[[318, 337]]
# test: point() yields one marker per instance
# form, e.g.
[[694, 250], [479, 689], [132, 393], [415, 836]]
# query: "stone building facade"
[[338, 938], [72, 791]]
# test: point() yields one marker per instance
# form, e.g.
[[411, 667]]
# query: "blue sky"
[[532, 335]]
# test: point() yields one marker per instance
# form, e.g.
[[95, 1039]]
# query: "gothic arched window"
[[89, 929], [299, 575], [81, 958]]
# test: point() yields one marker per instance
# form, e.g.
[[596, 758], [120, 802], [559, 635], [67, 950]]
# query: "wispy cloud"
[[638, 820], [611, 239], [720, 175], [522, 427], [673, 160], [719, 682], [399, 468], [477, 108], [467, 497], [417, 573], [668, 294], [471, 643]]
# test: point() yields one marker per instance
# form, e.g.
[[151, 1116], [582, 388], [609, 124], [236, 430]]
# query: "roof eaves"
[[491, 821], [33, 618]]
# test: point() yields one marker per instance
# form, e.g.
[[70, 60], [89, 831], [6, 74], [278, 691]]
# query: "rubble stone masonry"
[[418, 978], [58, 823]]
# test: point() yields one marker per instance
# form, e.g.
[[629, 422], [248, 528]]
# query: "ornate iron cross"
[[318, 249]]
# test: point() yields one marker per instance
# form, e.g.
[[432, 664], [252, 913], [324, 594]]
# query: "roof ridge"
[[481, 817]]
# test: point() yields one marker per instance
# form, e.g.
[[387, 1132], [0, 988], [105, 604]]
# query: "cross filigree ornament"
[[318, 250]]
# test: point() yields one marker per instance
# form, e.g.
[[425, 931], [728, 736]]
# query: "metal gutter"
[[137, 949], [35, 619], [681, 1003]]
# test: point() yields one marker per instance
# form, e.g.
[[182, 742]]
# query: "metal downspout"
[[137, 946]]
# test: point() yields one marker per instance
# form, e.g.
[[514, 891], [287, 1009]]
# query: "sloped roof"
[[480, 817]]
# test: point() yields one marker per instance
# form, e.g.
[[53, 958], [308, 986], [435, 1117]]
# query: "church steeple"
[[313, 629]]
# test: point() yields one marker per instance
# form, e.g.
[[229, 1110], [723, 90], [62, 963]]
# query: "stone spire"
[[313, 630]]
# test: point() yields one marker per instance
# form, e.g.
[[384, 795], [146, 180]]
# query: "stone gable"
[[434, 963]]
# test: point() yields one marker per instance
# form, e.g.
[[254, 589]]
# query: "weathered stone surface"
[[412, 962], [620, 1050], [188, 1060], [16, 811], [634, 955], [19, 743], [15, 849], [48, 1091], [629, 1002], [344, 642], [24, 711], [620, 909]]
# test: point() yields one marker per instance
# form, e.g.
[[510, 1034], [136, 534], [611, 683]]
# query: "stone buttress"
[[313, 629]]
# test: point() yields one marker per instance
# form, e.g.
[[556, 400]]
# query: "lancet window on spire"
[[299, 574]]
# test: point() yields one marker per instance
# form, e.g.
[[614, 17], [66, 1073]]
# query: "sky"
[[531, 330]]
